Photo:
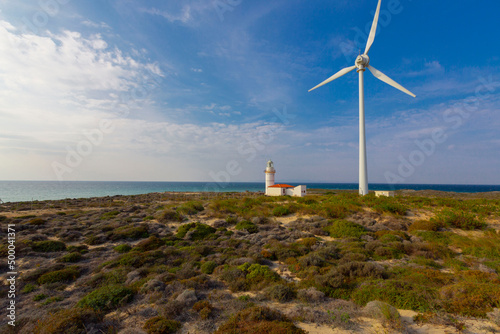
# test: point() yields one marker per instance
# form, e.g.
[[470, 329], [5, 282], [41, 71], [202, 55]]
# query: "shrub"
[[204, 308], [37, 222], [459, 219], [110, 215], [71, 257], [310, 295], [150, 244], [280, 211], [232, 220], [161, 325], [63, 275], [198, 231], [471, 298], [345, 229], [74, 321], [336, 210], [129, 232], [123, 248], [190, 208], [39, 297], [170, 215], [95, 240], [260, 320], [208, 267], [402, 295], [48, 246], [247, 225], [425, 225], [390, 207], [257, 274], [107, 298], [280, 293], [82, 249], [28, 288], [344, 275]]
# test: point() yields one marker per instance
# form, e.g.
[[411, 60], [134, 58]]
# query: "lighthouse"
[[270, 171], [273, 189]]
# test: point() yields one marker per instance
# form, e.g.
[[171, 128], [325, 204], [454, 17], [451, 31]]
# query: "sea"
[[24, 191]]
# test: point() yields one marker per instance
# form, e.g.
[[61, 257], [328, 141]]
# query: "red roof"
[[281, 186]]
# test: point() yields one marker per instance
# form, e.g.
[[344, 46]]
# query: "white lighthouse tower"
[[270, 171]]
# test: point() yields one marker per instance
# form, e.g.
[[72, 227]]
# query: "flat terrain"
[[332, 262]]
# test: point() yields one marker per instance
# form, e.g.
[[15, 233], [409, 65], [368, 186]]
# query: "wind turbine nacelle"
[[362, 62]]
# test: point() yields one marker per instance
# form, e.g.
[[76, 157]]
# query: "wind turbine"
[[361, 64]]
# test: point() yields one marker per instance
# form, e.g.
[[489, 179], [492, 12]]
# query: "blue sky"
[[204, 90]]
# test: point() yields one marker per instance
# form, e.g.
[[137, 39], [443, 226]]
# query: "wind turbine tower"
[[361, 64]]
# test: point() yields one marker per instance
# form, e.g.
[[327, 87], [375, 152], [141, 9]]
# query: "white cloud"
[[430, 68], [183, 16], [56, 84], [92, 24]]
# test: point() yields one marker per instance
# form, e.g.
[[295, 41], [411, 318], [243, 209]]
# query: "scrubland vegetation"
[[245, 263]]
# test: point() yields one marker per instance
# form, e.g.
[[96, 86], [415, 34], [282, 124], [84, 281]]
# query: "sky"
[[209, 90]]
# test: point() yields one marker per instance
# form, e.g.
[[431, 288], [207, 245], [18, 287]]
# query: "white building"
[[273, 189], [385, 193]]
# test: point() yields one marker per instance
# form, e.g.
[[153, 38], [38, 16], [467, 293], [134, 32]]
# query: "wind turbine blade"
[[373, 31], [335, 76], [381, 76]]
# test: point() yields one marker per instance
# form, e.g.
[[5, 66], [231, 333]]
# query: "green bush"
[[232, 220], [170, 215], [247, 225], [129, 232], [190, 208], [259, 319], [123, 248], [28, 288], [71, 257], [258, 275], [345, 229], [107, 298], [161, 325], [63, 275], [459, 219], [200, 231], [151, 243], [471, 298], [110, 215], [391, 207], [208, 267], [486, 246], [48, 246], [74, 321], [400, 294], [280, 211], [39, 297]]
